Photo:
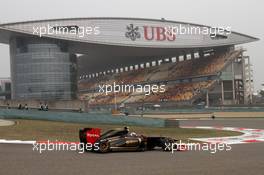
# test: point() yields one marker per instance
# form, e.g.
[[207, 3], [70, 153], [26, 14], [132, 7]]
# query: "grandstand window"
[[188, 56], [117, 71], [173, 59], [142, 65], [181, 58], [121, 70], [147, 64], [246, 61], [126, 68], [167, 60], [196, 55], [159, 62], [207, 55], [153, 63], [136, 67], [184, 57]]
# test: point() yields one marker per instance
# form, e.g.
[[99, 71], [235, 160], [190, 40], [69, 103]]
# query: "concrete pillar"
[[201, 55], [233, 83], [250, 83], [222, 92], [192, 55], [185, 57], [177, 58], [207, 98]]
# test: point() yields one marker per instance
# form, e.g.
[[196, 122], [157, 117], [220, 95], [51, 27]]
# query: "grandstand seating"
[[178, 92], [210, 65]]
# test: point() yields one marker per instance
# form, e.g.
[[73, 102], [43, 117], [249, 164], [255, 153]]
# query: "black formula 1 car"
[[122, 140]]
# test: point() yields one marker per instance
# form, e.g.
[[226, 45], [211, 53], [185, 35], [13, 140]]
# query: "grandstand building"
[[65, 59], [5, 88]]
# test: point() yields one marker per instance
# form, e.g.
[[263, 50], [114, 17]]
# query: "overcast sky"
[[245, 16]]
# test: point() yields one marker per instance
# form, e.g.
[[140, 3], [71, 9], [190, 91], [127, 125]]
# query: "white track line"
[[249, 135], [16, 141], [6, 122]]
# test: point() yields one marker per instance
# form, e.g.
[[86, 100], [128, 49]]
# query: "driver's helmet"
[[126, 128]]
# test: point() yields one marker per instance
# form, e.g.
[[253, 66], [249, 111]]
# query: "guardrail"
[[80, 118]]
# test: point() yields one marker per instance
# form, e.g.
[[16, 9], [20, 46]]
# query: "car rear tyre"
[[104, 147]]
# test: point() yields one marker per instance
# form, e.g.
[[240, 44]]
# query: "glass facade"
[[42, 69]]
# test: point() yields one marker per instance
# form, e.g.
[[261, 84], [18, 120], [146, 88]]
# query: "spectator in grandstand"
[[26, 107], [46, 107], [41, 107], [19, 106]]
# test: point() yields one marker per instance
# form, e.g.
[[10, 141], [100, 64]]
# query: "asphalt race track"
[[243, 159]]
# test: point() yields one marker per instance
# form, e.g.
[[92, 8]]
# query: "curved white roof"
[[132, 32]]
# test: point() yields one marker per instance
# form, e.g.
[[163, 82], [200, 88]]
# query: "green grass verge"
[[50, 130]]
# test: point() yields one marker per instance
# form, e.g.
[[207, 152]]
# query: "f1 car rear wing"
[[89, 135]]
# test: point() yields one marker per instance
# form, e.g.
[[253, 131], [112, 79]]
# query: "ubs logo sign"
[[150, 33], [132, 32]]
